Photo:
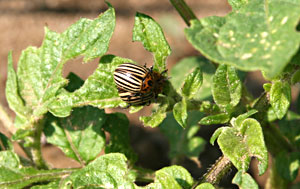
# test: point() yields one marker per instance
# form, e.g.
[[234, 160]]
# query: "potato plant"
[[202, 90]]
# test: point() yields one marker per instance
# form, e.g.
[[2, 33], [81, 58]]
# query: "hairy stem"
[[35, 149], [184, 10], [217, 171]]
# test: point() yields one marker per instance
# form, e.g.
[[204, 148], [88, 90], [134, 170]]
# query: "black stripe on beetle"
[[138, 85]]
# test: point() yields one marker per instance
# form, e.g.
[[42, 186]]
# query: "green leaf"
[[189, 145], [242, 143], [107, 171], [226, 88], [260, 35], [98, 90], [79, 136], [290, 127], [44, 64], [287, 165], [215, 119], [180, 113], [89, 37], [295, 77], [267, 87], [216, 135], [156, 117], [244, 181], [117, 125], [237, 122], [173, 177], [205, 186], [280, 98], [9, 160], [38, 89], [236, 4], [5, 143], [180, 72], [12, 92], [13, 175], [192, 83], [147, 31]]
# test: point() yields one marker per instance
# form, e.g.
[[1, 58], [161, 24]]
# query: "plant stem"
[[39, 177], [6, 120], [216, 172], [36, 148], [184, 10]]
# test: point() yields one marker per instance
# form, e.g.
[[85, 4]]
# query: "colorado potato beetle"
[[138, 85]]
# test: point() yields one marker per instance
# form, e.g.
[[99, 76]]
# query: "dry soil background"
[[22, 24]]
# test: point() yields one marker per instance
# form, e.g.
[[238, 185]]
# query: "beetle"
[[138, 85]]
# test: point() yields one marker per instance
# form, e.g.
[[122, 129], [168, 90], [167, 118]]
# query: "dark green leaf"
[[244, 180], [280, 98], [80, 135], [287, 165], [227, 87], [107, 171], [260, 35], [189, 144], [295, 77], [117, 125], [180, 112], [215, 119], [290, 127], [5, 143], [192, 83], [75, 82], [239, 144], [51, 185], [180, 71], [147, 31]]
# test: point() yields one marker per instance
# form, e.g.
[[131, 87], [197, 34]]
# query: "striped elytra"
[[137, 85]]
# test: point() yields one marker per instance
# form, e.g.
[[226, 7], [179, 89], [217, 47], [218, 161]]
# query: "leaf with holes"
[[117, 125], [172, 177], [243, 142], [107, 171], [98, 90], [147, 31], [79, 136], [256, 35]]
